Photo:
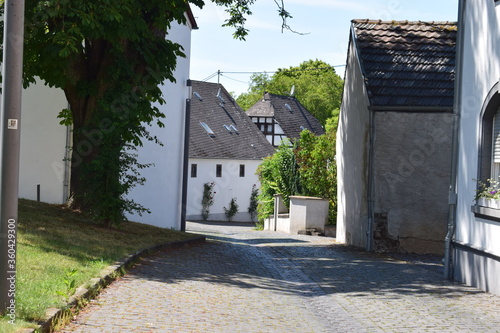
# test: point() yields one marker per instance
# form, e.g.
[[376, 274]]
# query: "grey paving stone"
[[242, 280]]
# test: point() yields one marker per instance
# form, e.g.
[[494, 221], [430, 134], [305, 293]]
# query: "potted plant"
[[488, 193]]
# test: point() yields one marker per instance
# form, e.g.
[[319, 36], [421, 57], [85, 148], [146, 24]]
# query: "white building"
[[473, 245], [44, 143], [225, 148], [162, 192]]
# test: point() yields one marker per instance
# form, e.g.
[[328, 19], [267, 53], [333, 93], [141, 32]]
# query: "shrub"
[[207, 200], [252, 208], [308, 169], [232, 210]]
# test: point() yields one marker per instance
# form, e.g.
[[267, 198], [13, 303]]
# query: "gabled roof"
[[407, 64], [238, 139], [292, 116], [191, 19]]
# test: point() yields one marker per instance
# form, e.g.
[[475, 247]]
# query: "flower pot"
[[494, 203], [482, 202]]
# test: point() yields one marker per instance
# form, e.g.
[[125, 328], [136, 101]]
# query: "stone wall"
[[412, 154]]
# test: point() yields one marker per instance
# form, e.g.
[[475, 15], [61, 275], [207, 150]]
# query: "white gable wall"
[[352, 157], [230, 185], [480, 73], [163, 188]]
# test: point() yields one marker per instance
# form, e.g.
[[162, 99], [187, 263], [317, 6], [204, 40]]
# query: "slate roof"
[[291, 119], [407, 63], [245, 143]]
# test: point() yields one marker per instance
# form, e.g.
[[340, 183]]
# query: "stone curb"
[[57, 318]]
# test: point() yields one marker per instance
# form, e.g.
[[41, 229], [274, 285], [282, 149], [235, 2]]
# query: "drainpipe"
[[370, 200], [185, 162], [452, 198]]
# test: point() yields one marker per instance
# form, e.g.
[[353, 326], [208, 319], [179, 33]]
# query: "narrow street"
[[242, 280]]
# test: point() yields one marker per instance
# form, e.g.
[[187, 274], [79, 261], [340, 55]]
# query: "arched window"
[[489, 145]]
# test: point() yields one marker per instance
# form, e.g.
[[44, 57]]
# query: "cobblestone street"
[[242, 280]]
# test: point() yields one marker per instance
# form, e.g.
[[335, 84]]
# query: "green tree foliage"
[[317, 87], [109, 58], [256, 90], [315, 156], [278, 174], [308, 168]]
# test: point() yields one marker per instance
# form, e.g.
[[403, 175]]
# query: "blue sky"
[[326, 22]]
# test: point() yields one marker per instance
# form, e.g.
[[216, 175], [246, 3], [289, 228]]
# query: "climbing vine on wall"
[[207, 200]]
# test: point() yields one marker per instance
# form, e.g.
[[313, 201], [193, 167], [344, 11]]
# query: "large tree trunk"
[[84, 151], [95, 185]]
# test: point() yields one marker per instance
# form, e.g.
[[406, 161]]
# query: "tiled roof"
[[247, 142], [410, 64], [291, 118]]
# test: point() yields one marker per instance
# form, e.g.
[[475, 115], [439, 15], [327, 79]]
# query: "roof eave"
[[405, 108], [191, 18]]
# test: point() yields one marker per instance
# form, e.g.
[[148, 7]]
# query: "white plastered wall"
[[352, 158], [163, 188], [480, 72], [43, 144], [230, 185]]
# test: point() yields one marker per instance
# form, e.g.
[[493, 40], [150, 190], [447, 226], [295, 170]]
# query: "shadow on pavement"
[[293, 266]]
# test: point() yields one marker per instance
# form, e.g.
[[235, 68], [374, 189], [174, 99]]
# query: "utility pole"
[[12, 69]]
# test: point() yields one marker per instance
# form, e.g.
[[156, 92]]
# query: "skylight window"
[[227, 128], [233, 127], [207, 128], [288, 107], [198, 96], [219, 96]]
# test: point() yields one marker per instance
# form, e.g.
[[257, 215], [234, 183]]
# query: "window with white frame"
[[489, 154], [271, 129], [495, 147]]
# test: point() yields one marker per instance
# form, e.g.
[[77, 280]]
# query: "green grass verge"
[[53, 241]]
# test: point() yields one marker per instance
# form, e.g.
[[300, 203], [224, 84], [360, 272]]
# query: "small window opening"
[[194, 170]]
